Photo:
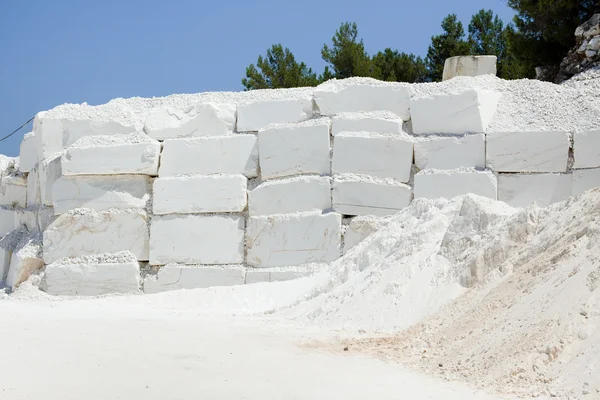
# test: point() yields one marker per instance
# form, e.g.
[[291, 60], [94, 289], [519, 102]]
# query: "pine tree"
[[277, 70], [346, 56], [393, 66], [449, 44]]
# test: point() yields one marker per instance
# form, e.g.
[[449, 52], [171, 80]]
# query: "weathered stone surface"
[[234, 154], [299, 194], [293, 239], [25, 260], [294, 149], [528, 151], [255, 116], [363, 196], [431, 184], [192, 194], [373, 155], [586, 148], [450, 152], [523, 189], [176, 276], [13, 191], [360, 228], [469, 66], [197, 239]]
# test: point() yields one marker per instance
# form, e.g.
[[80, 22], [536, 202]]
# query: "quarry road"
[[95, 350]]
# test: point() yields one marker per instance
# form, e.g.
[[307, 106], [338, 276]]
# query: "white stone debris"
[[197, 239], [100, 192], [467, 111], [586, 147], [382, 122], [176, 276], [374, 155], [360, 228], [278, 274], [528, 151], [432, 184], [83, 232], [293, 239], [298, 194], [112, 155], [450, 152], [363, 95], [520, 190], [234, 154], [286, 150], [361, 195], [258, 115], [192, 194], [93, 275], [585, 179], [204, 119]]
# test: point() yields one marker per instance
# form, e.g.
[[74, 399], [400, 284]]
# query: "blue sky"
[[74, 51]]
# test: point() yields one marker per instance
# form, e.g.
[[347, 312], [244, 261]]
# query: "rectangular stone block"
[[528, 151], [50, 170], [195, 194], [33, 187], [257, 115], [373, 155], [467, 111], [299, 194], [106, 155], [450, 152], [197, 239], [7, 220], [76, 129], [100, 192], [364, 196], [204, 119], [431, 184], [88, 232], [374, 122], [234, 154], [28, 218], [28, 153], [5, 256], [92, 276], [294, 149], [523, 189], [585, 179], [293, 239], [26, 259], [335, 97], [278, 274], [48, 136], [586, 148], [176, 276], [13, 191]]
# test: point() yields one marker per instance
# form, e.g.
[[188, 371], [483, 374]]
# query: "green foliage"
[[449, 44], [393, 66], [545, 29], [277, 70], [347, 56]]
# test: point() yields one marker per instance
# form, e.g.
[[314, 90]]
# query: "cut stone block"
[[73, 130], [92, 276], [33, 187], [13, 191], [431, 184], [376, 122], [258, 115], [234, 154], [469, 66], [45, 217], [25, 260], [278, 274], [360, 228], [339, 96], [294, 149], [101, 192], [193, 194], [523, 189], [528, 151], [367, 196], [50, 170], [293, 239], [450, 152], [174, 276], [373, 155], [197, 239], [205, 119], [469, 111], [585, 179], [114, 158], [28, 153], [586, 147], [7, 220], [28, 218], [5, 256], [48, 136], [8, 165], [85, 232], [306, 193]]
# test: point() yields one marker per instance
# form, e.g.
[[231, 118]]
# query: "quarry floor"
[[126, 348]]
